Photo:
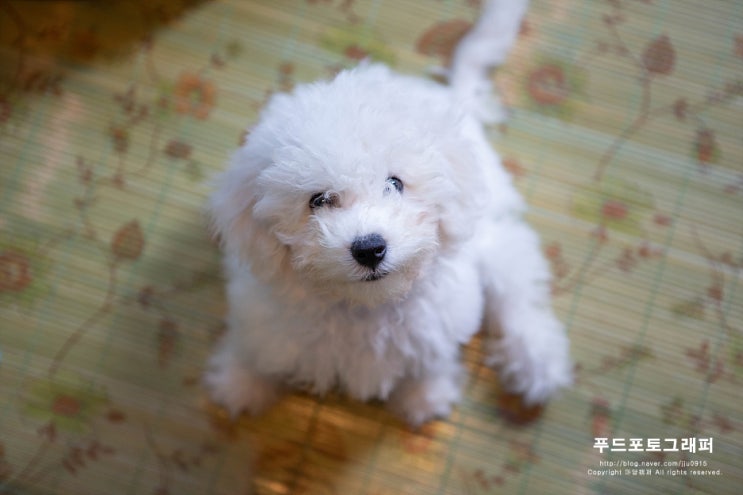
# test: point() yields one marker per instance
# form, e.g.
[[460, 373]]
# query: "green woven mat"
[[625, 139]]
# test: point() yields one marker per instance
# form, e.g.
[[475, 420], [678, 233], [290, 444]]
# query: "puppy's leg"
[[234, 385], [420, 399], [524, 339]]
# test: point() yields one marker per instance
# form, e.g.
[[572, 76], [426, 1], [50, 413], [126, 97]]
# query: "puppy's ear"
[[236, 191], [461, 206], [481, 187]]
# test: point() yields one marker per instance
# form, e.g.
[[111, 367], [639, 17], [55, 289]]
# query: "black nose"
[[369, 250]]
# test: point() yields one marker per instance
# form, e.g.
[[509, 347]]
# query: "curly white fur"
[[370, 230]]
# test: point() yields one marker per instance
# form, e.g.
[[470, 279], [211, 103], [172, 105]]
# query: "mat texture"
[[625, 138]]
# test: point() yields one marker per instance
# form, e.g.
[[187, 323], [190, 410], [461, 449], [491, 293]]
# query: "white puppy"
[[369, 231]]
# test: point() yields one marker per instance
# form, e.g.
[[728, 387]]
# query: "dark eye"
[[393, 183], [319, 200]]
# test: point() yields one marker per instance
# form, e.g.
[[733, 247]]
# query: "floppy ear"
[[242, 235], [481, 186]]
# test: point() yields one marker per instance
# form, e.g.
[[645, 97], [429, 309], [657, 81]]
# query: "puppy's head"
[[351, 189]]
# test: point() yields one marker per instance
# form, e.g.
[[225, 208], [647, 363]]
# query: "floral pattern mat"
[[625, 138]]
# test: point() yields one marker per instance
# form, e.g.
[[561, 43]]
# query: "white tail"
[[484, 47]]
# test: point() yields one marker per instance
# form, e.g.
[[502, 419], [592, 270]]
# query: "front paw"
[[533, 361], [419, 401], [239, 389]]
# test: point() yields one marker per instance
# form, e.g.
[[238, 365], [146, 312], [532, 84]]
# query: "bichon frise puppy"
[[369, 231]]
